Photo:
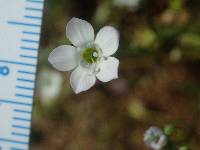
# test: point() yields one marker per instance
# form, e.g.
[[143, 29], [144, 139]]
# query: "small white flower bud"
[[155, 138]]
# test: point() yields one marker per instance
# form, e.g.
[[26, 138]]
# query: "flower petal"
[[79, 32], [108, 69], [64, 58], [82, 79], [108, 40]]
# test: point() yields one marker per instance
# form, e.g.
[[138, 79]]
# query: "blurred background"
[[159, 77]]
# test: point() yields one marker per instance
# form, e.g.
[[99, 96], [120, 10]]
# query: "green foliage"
[[169, 130]]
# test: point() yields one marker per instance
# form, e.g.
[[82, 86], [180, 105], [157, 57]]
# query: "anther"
[[95, 54]]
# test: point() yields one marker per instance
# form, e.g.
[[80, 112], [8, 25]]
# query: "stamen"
[[97, 70], [95, 54]]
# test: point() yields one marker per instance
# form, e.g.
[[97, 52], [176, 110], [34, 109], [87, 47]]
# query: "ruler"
[[20, 25]]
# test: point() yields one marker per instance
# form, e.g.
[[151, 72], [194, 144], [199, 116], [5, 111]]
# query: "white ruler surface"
[[20, 25]]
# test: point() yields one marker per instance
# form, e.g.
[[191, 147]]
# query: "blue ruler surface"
[[20, 25]]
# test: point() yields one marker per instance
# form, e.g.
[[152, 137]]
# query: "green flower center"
[[90, 55], [155, 138]]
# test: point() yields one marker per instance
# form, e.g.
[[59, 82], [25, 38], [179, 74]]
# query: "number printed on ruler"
[[20, 25]]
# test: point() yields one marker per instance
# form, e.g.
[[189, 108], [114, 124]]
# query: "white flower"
[[49, 85], [155, 138], [126, 3], [90, 57]]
